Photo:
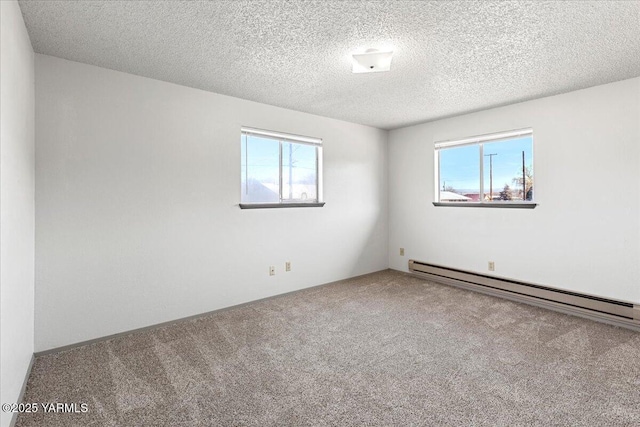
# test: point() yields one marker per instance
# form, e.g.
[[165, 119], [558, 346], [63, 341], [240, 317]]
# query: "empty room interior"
[[288, 213]]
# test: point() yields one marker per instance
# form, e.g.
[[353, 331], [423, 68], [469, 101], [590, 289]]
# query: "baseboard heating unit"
[[605, 310]]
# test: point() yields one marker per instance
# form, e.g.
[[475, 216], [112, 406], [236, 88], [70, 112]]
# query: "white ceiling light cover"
[[450, 57], [372, 61]]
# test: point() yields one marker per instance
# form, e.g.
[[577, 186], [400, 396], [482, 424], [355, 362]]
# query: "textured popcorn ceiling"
[[450, 57]]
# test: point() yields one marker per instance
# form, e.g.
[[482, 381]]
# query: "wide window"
[[487, 171], [280, 170]]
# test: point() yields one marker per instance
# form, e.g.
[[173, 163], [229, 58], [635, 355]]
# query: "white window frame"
[[480, 140], [296, 139]]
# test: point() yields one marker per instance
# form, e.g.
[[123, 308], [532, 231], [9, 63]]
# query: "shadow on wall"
[[369, 252]]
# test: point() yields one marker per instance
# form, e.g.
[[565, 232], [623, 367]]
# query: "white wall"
[[584, 235], [16, 202], [137, 189]]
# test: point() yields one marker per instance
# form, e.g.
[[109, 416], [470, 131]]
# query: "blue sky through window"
[[460, 166], [260, 170]]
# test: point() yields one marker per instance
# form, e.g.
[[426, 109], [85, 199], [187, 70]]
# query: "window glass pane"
[[503, 170], [460, 174], [260, 170], [299, 172]]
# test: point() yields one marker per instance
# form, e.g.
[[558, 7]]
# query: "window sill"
[[503, 205], [280, 205]]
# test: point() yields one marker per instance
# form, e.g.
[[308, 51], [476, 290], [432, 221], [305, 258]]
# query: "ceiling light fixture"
[[372, 61]]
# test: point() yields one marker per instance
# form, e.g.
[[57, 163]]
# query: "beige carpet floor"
[[384, 349]]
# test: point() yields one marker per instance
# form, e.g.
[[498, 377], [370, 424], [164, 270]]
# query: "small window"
[[280, 170], [487, 171]]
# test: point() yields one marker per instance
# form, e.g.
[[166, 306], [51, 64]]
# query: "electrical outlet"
[[287, 266], [401, 251], [492, 266], [272, 271]]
